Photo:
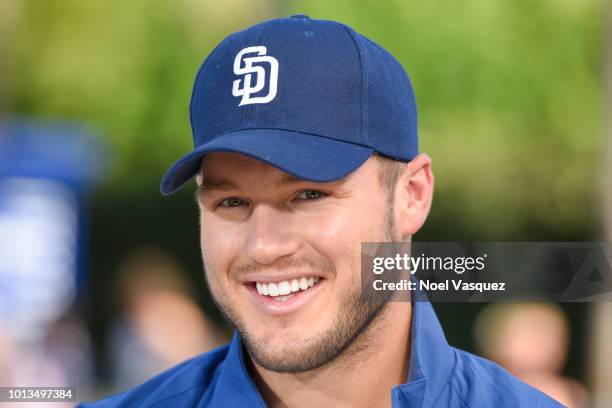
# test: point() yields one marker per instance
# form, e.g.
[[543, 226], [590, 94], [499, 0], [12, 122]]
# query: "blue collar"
[[431, 362]]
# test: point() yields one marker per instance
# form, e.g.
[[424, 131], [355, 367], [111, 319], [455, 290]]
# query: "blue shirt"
[[439, 376]]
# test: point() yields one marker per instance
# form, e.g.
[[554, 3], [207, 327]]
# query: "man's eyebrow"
[[217, 184], [209, 183]]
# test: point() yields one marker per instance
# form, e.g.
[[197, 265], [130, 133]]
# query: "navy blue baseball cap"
[[312, 98]]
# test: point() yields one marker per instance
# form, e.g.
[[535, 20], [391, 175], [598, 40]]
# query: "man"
[[305, 138]]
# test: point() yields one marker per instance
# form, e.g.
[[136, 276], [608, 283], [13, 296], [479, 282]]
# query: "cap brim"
[[306, 156]]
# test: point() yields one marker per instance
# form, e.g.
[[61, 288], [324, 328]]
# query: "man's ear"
[[413, 195], [198, 178]]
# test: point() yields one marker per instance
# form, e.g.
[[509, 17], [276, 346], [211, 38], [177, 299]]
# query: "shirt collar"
[[235, 387], [431, 362], [431, 359]]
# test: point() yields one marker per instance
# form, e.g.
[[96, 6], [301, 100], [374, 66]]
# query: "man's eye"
[[232, 202], [310, 194]]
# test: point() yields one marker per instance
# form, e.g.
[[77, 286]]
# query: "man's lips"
[[279, 277], [285, 296], [286, 287]]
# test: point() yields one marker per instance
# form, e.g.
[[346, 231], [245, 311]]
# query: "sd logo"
[[243, 65]]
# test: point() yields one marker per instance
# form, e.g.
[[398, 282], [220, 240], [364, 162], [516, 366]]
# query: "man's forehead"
[[214, 160], [227, 170], [220, 165], [224, 170], [228, 182]]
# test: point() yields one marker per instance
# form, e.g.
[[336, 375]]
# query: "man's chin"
[[285, 359], [283, 351]]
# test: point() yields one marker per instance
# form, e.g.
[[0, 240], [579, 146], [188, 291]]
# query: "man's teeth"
[[280, 290]]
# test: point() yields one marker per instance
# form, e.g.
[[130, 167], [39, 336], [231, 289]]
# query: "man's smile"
[[283, 290], [282, 296]]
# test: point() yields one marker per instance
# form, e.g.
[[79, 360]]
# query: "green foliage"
[[125, 68], [509, 91]]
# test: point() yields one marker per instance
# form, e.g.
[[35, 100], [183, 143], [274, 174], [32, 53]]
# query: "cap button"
[[299, 16]]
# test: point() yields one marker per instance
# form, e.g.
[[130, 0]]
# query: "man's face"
[[264, 233]]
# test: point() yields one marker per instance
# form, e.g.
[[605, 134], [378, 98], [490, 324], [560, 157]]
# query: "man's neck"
[[362, 376]]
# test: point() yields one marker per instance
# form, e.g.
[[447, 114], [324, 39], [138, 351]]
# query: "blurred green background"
[[510, 109], [508, 92]]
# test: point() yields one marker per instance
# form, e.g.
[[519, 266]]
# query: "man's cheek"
[[210, 281], [218, 289], [212, 269], [212, 254], [332, 230]]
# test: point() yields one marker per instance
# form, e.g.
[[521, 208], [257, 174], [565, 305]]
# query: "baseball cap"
[[310, 97]]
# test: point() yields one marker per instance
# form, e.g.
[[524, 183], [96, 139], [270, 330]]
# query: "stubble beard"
[[357, 314]]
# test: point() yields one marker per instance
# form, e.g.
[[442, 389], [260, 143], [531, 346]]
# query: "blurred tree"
[[600, 362], [7, 19], [125, 67]]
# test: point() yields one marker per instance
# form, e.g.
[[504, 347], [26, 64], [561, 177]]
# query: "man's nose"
[[270, 235]]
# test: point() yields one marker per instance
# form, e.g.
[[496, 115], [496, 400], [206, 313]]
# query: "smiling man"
[[305, 138]]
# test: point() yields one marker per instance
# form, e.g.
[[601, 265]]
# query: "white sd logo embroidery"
[[248, 70]]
